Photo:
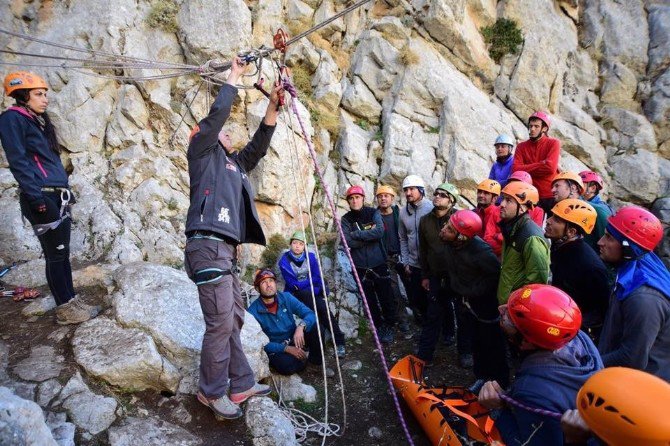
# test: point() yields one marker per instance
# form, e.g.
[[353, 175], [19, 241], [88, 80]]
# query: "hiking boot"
[[75, 312], [466, 360], [223, 408], [340, 351], [256, 390], [385, 335]]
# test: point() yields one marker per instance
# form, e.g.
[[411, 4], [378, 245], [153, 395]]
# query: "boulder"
[[629, 131], [47, 391], [637, 176], [657, 111], [163, 302], [291, 388], [358, 100], [267, 424], [22, 422], [39, 306], [62, 431], [91, 412], [150, 432], [42, 364], [124, 357]]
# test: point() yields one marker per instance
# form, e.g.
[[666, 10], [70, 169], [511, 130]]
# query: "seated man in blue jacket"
[[556, 359], [297, 272], [275, 313]]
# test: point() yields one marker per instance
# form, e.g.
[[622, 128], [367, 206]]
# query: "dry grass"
[[408, 56]]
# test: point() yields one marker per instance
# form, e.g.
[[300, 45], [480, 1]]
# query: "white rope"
[[302, 422], [300, 187]]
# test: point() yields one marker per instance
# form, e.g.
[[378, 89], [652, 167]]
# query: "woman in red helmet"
[[636, 332], [556, 359], [29, 140]]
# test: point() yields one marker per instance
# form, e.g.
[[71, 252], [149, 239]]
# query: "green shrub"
[[503, 37], [163, 15], [276, 245]]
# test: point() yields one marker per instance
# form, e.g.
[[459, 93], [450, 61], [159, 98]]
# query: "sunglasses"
[[441, 195]]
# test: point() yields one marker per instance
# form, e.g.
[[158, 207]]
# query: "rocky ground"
[[38, 362]]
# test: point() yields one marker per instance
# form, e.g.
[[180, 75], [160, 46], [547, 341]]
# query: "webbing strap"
[[210, 275], [452, 405]]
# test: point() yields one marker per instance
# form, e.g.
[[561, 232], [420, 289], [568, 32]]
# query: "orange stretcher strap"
[[452, 405]]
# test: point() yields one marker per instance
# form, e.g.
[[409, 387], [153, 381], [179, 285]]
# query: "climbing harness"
[[65, 197]]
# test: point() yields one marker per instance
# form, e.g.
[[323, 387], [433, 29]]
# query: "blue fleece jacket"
[[501, 171], [280, 327], [296, 276], [31, 160], [547, 380]]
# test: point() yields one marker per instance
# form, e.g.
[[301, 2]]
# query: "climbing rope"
[[302, 422], [292, 91]]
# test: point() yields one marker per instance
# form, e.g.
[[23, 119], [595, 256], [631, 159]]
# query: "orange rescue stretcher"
[[448, 414]]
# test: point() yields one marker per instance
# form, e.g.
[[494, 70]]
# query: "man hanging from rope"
[[222, 215]]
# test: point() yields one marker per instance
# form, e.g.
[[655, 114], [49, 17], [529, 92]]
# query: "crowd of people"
[[539, 287]]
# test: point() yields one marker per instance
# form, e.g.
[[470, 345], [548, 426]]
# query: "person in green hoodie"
[[525, 252]]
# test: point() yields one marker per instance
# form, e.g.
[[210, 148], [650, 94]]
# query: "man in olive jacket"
[[222, 215], [525, 252]]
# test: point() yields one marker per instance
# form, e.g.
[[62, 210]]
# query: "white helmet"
[[413, 181], [504, 139]]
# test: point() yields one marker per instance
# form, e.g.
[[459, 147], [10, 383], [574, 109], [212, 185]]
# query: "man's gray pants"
[[222, 306]]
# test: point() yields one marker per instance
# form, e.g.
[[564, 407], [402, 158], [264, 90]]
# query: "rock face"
[[22, 422], [163, 303], [267, 424], [126, 358], [150, 432]]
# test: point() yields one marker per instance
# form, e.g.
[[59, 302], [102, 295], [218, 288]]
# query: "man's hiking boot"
[[223, 408], [75, 312], [257, 390]]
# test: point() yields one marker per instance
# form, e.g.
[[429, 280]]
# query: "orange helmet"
[[490, 186], [625, 406], [523, 193], [570, 176], [544, 315], [576, 211], [23, 80], [383, 189]]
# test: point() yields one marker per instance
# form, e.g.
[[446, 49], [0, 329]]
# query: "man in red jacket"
[[539, 156]]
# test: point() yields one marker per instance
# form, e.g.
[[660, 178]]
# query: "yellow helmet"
[[383, 189], [490, 186]]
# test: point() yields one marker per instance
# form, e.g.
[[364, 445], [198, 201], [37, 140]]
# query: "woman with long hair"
[[29, 140]]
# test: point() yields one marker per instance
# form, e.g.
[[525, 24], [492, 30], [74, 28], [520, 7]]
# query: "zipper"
[[202, 206], [39, 165]]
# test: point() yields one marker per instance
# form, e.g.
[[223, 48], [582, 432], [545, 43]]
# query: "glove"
[[38, 206]]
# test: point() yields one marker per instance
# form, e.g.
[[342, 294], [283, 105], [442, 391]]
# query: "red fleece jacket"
[[540, 159]]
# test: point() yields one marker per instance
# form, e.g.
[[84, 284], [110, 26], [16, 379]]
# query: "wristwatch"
[[302, 324]]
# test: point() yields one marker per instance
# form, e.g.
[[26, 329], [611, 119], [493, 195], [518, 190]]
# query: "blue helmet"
[[504, 139]]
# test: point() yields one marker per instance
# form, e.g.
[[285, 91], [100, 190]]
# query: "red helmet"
[[638, 225], [544, 315], [521, 175], [355, 190], [589, 176], [542, 116], [263, 274], [466, 222]]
